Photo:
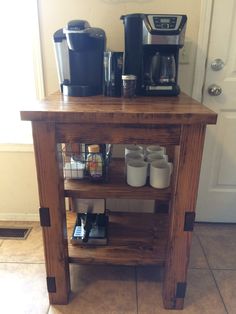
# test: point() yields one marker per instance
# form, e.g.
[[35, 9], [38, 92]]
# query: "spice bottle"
[[95, 163]]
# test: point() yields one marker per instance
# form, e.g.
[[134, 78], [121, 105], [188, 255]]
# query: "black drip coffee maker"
[[152, 43]]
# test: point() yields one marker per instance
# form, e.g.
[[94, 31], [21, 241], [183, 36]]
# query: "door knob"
[[217, 64], [214, 90]]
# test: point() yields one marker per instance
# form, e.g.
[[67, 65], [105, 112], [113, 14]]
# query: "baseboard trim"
[[20, 148], [18, 217]]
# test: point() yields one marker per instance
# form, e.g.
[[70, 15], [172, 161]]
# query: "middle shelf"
[[116, 187]]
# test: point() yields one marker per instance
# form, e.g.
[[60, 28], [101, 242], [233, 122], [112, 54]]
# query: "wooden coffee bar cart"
[[157, 238]]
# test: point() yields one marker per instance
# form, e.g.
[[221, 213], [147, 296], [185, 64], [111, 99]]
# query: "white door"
[[217, 188]]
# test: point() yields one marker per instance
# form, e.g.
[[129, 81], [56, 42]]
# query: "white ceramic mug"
[[160, 173], [155, 156], [133, 149], [133, 156], [136, 173], [155, 149]]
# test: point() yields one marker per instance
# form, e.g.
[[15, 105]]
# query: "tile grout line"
[[204, 268], [136, 287], [230, 269], [210, 269]]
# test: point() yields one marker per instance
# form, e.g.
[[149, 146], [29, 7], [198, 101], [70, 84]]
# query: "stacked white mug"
[[160, 173], [136, 173], [133, 149], [155, 149], [135, 166], [154, 164], [133, 152], [160, 169], [155, 152]]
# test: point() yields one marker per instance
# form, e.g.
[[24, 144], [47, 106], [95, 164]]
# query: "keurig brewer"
[[79, 54], [152, 43]]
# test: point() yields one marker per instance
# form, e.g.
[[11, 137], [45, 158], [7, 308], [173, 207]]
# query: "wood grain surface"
[[51, 188], [133, 239], [99, 109], [118, 134], [116, 187], [185, 186]]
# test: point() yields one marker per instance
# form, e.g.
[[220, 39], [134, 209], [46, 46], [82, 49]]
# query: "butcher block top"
[[138, 110]]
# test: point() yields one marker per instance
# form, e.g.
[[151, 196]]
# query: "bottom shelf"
[[133, 239]]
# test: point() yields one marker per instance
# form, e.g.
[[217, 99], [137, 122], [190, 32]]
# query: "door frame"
[[202, 48]]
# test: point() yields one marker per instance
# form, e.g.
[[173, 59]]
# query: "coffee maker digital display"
[[152, 43]]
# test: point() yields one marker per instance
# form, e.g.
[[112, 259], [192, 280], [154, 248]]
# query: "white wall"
[[18, 183], [106, 14]]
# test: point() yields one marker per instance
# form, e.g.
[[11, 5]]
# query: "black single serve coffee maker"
[[152, 43], [79, 51]]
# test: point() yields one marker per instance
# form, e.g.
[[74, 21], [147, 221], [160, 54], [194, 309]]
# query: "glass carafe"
[[168, 69], [152, 69]]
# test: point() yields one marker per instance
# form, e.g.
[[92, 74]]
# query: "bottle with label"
[[95, 163]]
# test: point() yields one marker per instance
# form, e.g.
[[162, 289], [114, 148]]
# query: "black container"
[[133, 55], [113, 63]]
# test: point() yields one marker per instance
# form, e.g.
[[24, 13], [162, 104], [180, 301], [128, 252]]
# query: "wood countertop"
[[139, 110]]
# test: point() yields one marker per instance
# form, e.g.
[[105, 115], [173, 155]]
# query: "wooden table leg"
[[52, 212], [182, 214]]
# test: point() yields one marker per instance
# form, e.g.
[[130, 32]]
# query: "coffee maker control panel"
[[163, 22]]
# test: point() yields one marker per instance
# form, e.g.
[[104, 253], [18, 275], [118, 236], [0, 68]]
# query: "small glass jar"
[[95, 163], [128, 85]]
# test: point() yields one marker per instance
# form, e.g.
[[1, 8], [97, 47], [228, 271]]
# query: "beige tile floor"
[[121, 290]]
